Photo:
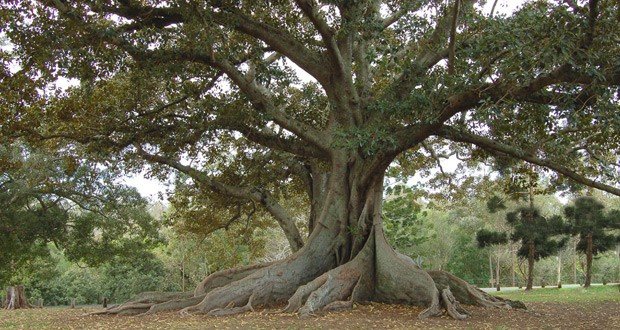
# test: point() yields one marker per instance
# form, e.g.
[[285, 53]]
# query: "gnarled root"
[[231, 310], [338, 288], [434, 309], [338, 285], [143, 302], [469, 294], [310, 283], [153, 302], [174, 305], [224, 277], [452, 306]]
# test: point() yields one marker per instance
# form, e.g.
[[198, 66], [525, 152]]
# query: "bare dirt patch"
[[599, 315]]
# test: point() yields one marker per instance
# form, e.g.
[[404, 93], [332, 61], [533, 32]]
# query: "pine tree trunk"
[[16, 298], [530, 266], [512, 266], [491, 275], [497, 272], [575, 263], [589, 249], [559, 272]]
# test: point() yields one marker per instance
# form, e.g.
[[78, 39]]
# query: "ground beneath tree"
[[553, 315]]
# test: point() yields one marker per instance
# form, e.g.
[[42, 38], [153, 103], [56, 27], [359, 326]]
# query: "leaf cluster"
[[586, 216]]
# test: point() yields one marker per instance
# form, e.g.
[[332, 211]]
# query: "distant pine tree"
[[587, 219], [536, 234]]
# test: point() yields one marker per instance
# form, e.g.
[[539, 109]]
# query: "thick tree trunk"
[[589, 248], [530, 265], [16, 298], [345, 260]]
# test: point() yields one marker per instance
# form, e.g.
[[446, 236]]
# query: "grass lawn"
[[569, 308], [565, 295]]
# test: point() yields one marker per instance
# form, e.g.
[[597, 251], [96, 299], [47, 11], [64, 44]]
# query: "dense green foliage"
[[530, 226], [47, 197], [57, 280], [586, 216], [486, 238]]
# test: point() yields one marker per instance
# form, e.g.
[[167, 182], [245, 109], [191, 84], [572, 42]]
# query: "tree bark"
[[530, 265], [16, 298], [589, 249]]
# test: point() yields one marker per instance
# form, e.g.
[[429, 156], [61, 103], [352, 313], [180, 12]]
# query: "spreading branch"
[[452, 43], [286, 222], [518, 153]]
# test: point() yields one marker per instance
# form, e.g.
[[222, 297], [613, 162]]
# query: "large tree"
[[256, 100]]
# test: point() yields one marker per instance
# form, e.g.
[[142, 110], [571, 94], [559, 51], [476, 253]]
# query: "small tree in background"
[[534, 232], [588, 220]]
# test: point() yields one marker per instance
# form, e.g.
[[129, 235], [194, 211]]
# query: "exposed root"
[[400, 281], [336, 289], [311, 284], [143, 302], [469, 294], [339, 305], [302, 293], [225, 277], [434, 309], [452, 306], [152, 302], [126, 309], [338, 286], [231, 310], [174, 305]]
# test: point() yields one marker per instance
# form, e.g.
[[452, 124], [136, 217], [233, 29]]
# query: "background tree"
[[211, 89], [588, 220], [49, 197], [529, 228]]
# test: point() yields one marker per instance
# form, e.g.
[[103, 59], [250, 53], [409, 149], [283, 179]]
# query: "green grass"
[[565, 295]]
